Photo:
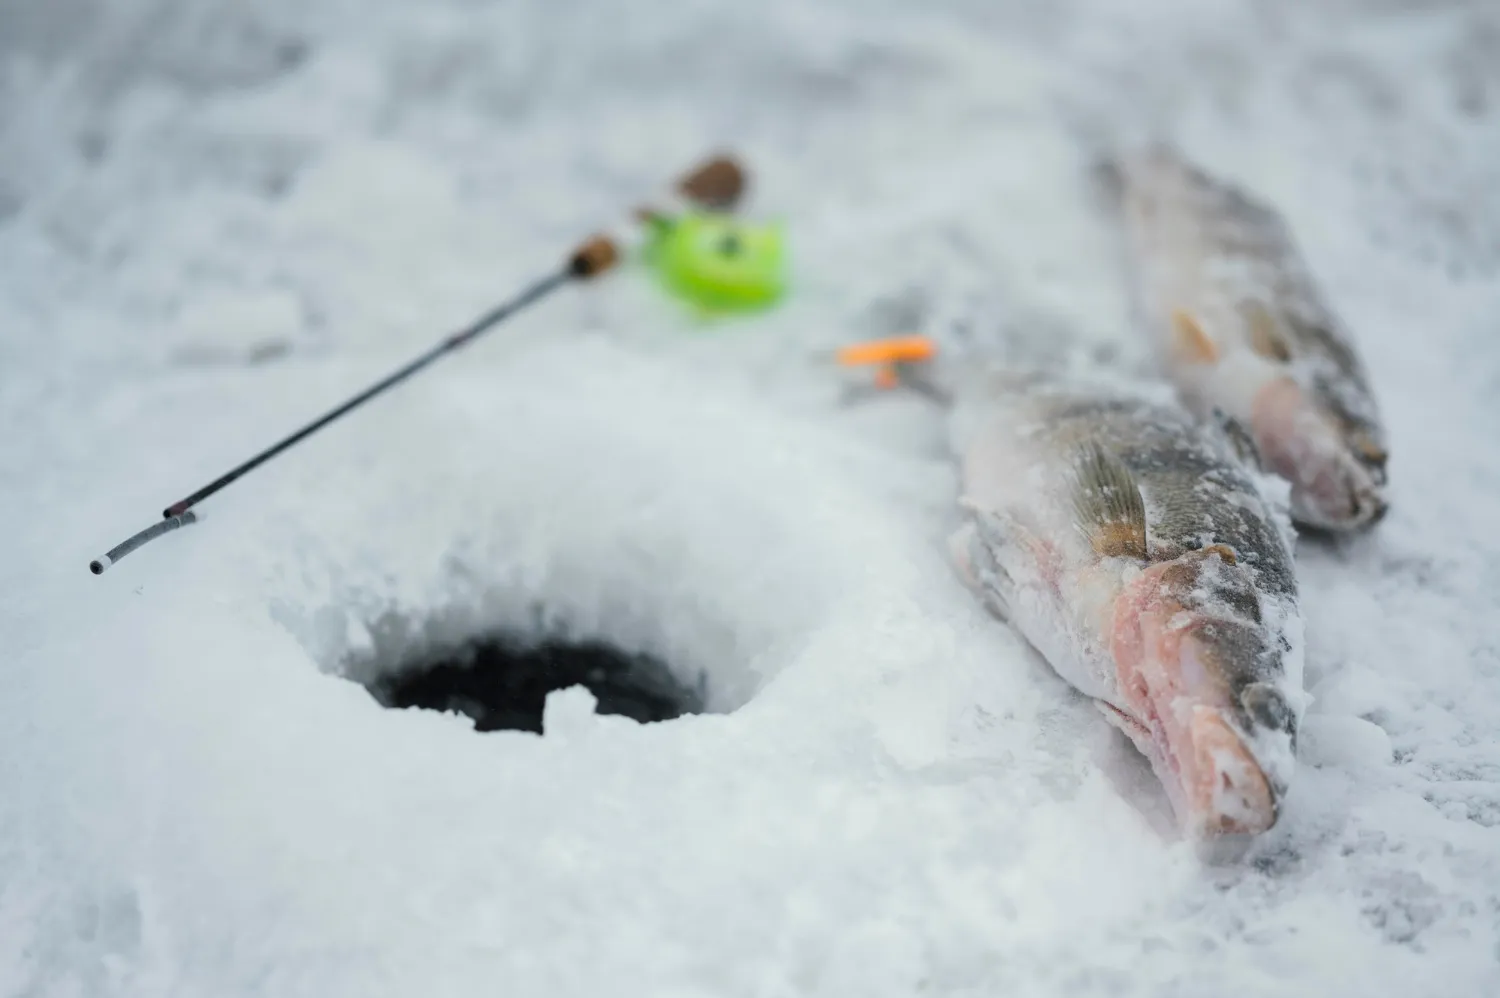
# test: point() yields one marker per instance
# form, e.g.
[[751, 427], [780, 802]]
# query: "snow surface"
[[217, 219]]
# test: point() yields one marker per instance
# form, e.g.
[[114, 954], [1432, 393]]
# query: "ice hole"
[[687, 529], [500, 680], [494, 655]]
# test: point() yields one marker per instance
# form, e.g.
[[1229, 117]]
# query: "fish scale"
[[1184, 476]]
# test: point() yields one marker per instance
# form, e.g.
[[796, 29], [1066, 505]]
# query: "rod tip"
[[98, 565]]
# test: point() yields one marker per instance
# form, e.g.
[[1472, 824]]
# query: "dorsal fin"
[[1107, 504]]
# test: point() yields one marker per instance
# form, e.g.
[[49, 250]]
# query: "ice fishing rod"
[[715, 184]]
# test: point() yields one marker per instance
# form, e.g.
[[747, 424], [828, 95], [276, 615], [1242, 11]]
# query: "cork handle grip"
[[594, 257]]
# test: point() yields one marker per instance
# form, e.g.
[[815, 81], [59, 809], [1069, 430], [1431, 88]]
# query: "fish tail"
[[1107, 146]]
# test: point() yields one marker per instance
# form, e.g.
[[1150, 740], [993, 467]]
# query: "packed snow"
[[218, 220]]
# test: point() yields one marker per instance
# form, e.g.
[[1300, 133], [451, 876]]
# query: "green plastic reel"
[[717, 262]]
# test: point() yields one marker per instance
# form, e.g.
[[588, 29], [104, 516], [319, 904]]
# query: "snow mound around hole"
[[263, 811], [618, 523]]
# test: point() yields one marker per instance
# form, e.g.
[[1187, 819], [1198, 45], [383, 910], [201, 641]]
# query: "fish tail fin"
[[1109, 141], [1096, 133]]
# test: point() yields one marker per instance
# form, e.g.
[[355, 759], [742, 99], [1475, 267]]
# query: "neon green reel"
[[717, 262]]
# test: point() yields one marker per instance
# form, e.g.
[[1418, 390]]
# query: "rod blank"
[[458, 339], [180, 514], [716, 183]]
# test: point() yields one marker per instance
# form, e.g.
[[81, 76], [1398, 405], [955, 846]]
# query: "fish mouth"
[[1336, 484], [1216, 785], [1184, 700], [1335, 495]]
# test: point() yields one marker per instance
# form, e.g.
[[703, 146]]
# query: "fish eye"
[[1268, 708]]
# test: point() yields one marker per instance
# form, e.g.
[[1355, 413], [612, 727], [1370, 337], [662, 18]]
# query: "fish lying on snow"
[[1150, 565], [1247, 336]]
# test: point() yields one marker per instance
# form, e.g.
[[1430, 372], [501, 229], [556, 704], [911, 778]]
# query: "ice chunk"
[[1350, 742], [569, 712]]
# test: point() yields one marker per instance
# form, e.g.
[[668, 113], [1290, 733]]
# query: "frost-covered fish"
[[1133, 546], [1130, 545], [1248, 338]]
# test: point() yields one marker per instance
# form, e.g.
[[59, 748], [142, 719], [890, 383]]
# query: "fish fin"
[[1004, 554], [961, 555], [1266, 337], [980, 570], [1107, 179], [1107, 503], [1369, 448], [1189, 342], [1241, 443], [1224, 551], [997, 533]]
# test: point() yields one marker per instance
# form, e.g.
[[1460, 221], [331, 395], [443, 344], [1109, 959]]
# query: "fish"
[[1247, 337], [1146, 560]]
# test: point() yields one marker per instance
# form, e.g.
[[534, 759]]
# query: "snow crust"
[[216, 220]]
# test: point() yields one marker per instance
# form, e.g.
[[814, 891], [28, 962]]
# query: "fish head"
[[1200, 681], [1335, 461]]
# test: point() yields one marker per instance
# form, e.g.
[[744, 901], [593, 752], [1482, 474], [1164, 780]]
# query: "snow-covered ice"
[[215, 220]]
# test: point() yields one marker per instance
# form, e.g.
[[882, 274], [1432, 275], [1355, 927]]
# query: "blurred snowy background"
[[218, 218]]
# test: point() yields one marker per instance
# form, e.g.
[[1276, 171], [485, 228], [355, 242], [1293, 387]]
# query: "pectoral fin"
[[960, 544], [1107, 504], [1189, 342], [1266, 336], [980, 569]]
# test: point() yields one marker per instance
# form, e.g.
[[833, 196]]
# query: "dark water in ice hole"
[[502, 682]]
